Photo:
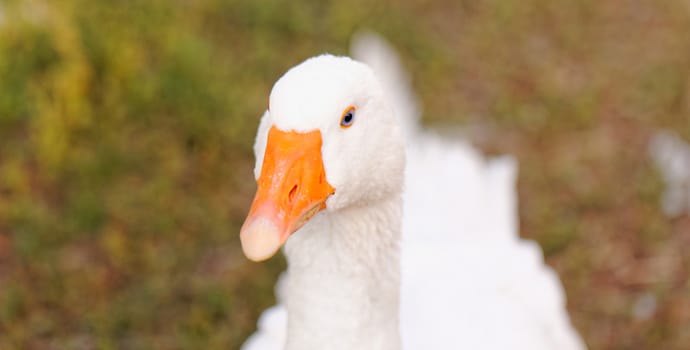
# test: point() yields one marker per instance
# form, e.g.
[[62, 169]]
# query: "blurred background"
[[126, 164]]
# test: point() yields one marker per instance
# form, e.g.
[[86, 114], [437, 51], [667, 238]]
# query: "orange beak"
[[292, 188]]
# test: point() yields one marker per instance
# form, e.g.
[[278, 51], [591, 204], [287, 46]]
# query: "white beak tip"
[[260, 239]]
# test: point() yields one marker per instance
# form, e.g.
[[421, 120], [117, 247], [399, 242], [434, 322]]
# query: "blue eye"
[[348, 117]]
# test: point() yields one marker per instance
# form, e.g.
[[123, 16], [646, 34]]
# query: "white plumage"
[[467, 280]]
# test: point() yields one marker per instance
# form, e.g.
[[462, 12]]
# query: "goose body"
[[438, 265]]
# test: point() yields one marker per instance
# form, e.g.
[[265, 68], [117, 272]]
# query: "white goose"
[[330, 159]]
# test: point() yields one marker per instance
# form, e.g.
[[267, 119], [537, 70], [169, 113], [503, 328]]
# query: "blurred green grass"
[[125, 153]]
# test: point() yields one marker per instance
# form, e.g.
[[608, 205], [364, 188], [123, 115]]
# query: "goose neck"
[[343, 281]]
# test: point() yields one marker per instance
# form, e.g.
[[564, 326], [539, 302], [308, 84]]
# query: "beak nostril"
[[293, 192]]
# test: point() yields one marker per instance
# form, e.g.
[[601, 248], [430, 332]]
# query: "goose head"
[[328, 141]]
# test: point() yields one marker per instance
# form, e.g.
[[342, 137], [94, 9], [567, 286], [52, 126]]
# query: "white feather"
[[467, 280], [672, 156]]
